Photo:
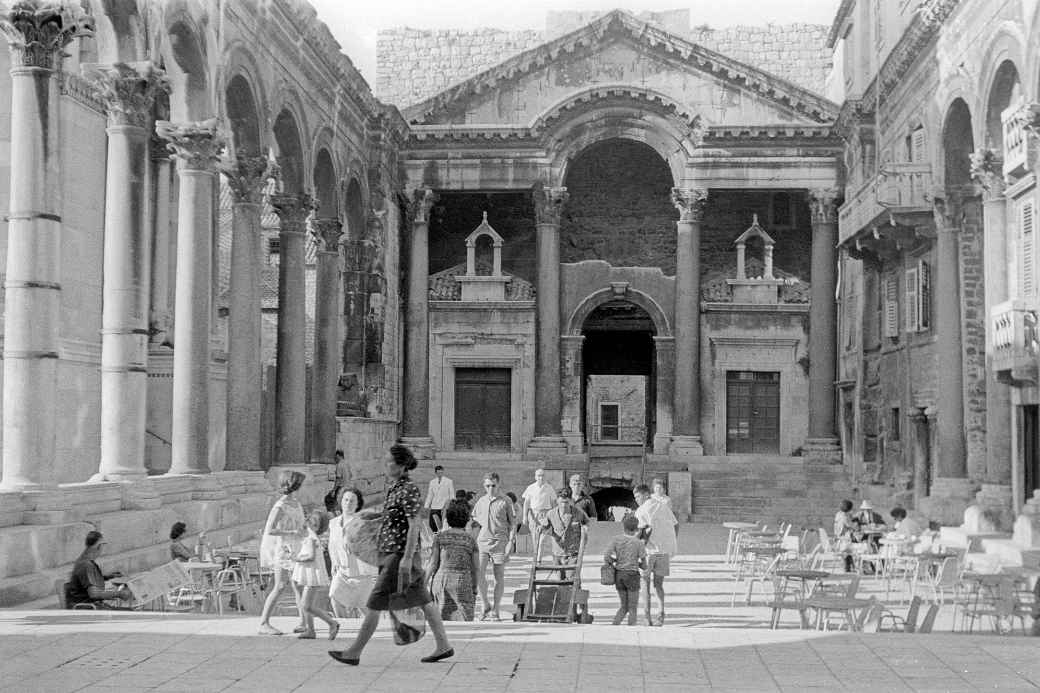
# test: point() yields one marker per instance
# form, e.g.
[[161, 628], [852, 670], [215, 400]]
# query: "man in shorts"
[[661, 545], [539, 498], [493, 513]]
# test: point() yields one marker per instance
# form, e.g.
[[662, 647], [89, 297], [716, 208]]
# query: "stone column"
[[160, 323], [127, 90], [291, 386], [325, 373], [572, 373], [664, 353], [996, 493], [247, 177], [36, 32], [548, 432], [822, 443], [197, 145], [416, 433], [686, 422], [951, 491]]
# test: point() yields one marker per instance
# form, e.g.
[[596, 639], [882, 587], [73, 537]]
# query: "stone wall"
[[364, 443], [414, 64], [629, 393], [973, 337]]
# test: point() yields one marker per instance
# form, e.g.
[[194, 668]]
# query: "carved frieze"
[[127, 90], [691, 203], [198, 145], [548, 203], [327, 233], [37, 30]]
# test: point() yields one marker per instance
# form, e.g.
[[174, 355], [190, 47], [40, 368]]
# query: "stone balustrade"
[[1015, 345]]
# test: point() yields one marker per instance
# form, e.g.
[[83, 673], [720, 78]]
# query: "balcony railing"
[[1017, 142], [1015, 346], [899, 188]]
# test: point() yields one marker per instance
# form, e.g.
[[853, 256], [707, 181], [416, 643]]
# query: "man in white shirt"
[[438, 495], [904, 525], [661, 545], [538, 499]]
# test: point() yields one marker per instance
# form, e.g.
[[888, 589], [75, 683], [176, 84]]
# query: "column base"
[[421, 446], [203, 486], [685, 447], [546, 448], [822, 450], [993, 510], [949, 499], [118, 476]]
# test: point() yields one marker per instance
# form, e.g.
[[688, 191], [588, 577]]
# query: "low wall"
[[135, 518]]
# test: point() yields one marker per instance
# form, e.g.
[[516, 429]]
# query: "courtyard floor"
[[705, 645]]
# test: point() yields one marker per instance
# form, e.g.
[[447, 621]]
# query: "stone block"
[[11, 508]]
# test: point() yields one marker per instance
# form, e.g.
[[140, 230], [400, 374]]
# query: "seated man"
[[86, 585]]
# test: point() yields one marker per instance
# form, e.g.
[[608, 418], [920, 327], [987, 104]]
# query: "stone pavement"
[[705, 645]]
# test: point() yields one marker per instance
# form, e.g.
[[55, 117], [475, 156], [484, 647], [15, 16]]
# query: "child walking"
[[309, 573], [627, 553]]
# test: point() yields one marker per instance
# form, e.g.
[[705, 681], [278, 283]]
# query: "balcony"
[[1015, 348], [1018, 145], [900, 192]]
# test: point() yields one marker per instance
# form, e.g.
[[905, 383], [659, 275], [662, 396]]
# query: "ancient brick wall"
[[413, 64]]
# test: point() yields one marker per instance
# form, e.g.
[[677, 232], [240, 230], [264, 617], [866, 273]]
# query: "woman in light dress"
[[284, 531], [310, 574], [345, 565]]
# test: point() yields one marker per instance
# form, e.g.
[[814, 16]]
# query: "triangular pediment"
[[615, 53]]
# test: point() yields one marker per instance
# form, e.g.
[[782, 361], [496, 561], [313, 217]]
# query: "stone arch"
[[590, 303], [119, 32], [290, 152], [243, 117], [354, 203], [325, 185], [187, 69], [239, 63], [1004, 88], [958, 144]]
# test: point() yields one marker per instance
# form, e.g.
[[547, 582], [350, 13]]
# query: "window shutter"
[[891, 307], [1028, 279], [910, 317], [918, 145], [924, 295]]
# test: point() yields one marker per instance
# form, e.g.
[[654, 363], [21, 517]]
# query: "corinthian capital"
[[548, 203], [327, 234], [293, 210], [37, 30], [247, 176], [988, 171], [691, 203], [823, 205], [128, 90], [198, 145], [421, 204]]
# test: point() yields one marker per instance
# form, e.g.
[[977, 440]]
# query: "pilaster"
[[416, 429]]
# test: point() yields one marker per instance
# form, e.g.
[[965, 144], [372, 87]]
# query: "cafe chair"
[[929, 619], [229, 583], [945, 580], [902, 625]]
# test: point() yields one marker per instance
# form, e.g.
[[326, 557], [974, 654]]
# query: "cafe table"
[[804, 577], [735, 528]]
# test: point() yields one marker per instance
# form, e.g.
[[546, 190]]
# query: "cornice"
[[620, 23]]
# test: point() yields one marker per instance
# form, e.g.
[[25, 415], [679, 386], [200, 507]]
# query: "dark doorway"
[[752, 412], [613, 496], [1030, 449], [619, 340], [482, 398]]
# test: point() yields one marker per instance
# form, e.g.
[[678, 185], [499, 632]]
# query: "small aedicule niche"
[[483, 283], [761, 289]]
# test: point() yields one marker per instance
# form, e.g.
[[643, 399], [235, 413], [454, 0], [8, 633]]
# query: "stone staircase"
[[767, 488]]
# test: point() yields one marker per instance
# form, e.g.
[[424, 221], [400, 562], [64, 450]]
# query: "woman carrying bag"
[[401, 584], [352, 578]]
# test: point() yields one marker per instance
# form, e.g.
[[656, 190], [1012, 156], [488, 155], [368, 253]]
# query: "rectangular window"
[[891, 308], [1027, 234], [924, 296], [919, 149], [894, 425], [609, 421], [910, 314]]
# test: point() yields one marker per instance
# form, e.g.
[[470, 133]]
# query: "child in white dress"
[[309, 573]]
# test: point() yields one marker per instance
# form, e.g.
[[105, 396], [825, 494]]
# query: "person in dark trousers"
[[86, 585]]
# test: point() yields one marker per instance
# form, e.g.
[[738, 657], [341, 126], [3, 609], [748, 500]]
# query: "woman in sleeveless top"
[[283, 533], [454, 566]]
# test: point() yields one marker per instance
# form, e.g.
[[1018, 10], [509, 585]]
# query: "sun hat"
[[866, 505]]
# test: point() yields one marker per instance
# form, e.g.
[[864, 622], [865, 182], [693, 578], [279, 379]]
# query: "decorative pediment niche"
[[481, 277], [754, 279]]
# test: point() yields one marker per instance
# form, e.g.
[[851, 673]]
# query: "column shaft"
[[291, 393], [161, 321], [417, 369], [548, 204], [325, 380], [823, 315], [36, 31], [951, 458], [247, 180], [998, 395], [686, 421], [197, 145]]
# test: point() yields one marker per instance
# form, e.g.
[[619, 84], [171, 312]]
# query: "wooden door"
[[752, 412], [482, 412]]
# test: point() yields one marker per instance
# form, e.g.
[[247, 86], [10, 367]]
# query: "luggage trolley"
[[556, 588]]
